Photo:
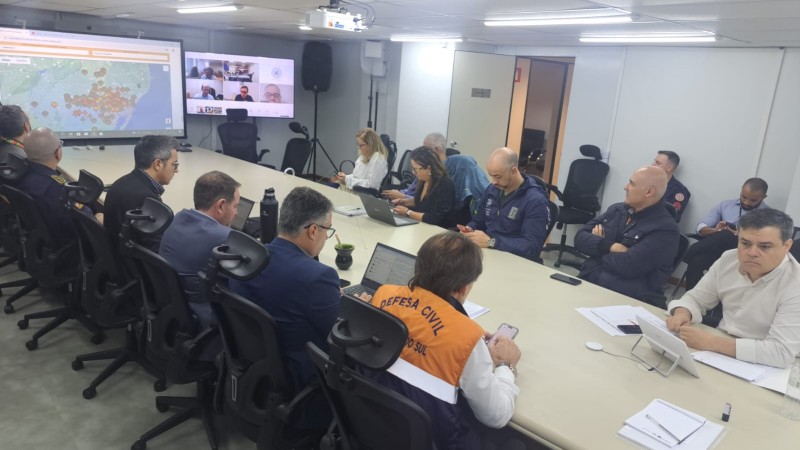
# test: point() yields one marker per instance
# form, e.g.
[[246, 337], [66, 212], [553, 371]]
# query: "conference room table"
[[570, 397]]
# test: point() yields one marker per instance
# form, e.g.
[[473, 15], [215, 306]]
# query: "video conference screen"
[[216, 82], [86, 86]]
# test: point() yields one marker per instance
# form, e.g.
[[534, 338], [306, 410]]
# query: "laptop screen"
[[242, 213], [389, 266]]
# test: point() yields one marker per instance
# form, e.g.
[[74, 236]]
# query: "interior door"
[[480, 102]]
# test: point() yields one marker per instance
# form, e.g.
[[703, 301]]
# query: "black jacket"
[[652, 238], [125, 194]]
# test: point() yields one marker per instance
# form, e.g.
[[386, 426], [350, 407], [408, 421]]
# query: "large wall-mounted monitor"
[[216, 82], [85, 86]]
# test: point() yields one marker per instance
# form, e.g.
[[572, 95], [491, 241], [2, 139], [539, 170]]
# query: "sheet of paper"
[[703, 439], [474, 310], [733, 366], [350, 210], [774, 379], [608, 317]]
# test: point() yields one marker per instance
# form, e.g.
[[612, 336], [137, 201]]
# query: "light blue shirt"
[[726, 211]]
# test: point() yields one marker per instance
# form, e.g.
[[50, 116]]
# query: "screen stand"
[[663, 352], [316, 142]]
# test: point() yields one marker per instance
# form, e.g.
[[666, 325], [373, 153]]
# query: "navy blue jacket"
[[678, 196], [520, 226], [302, 296], [652, 239]]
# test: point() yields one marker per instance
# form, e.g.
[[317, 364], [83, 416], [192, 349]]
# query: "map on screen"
[[92, 88]]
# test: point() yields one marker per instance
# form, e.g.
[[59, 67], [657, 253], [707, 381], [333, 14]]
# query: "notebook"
[[379, 209], [242, 221], [387, 266]]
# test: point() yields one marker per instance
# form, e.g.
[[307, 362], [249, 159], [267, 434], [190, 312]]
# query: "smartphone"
[[732, 226], [506, 330], [630, 329], [565, 279], [343, 283]]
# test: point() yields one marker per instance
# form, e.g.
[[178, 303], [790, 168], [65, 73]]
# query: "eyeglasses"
[[331, 231], [60, 144], [174, 165], [416, 169], [271, 95], [361, 144]]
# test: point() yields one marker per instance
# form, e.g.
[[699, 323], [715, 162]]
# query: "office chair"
[[696, 237], [451, 152], [173, 342], [391, 146], [239, 138], [258, 399], [580, 202], [403, 174], [297, 151], [109, 295], [51, 266], [368, 415], [552, 209], [10, 173]]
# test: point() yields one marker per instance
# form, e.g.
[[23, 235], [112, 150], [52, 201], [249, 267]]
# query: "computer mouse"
[[186, 144], [596, 346], [102, 147]]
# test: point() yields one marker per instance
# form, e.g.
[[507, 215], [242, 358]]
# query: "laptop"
[[661, 339], [379, 209], [242, 221], [387, 266]]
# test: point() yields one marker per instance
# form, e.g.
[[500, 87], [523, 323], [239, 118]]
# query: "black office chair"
[[11, 172], [108, 294], [297, 151], [391, 146], [239, 138], [403, 176], [53, 266], [258, 400], [451, 152], [696, 237], [173, 343], [367, 415], [552, 208], [580, 201]]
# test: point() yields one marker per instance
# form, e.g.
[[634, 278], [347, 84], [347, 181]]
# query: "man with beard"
[[719, 229]]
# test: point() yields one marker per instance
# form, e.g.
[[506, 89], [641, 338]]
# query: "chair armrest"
[[263, 152], [554, 189], [218, 151], [290, 412]]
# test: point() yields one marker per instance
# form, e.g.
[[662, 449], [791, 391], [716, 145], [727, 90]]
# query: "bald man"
[[45, 184], [513, 214], [633, 244]]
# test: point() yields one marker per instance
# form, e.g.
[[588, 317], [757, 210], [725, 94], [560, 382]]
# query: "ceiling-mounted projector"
[[325, 18]]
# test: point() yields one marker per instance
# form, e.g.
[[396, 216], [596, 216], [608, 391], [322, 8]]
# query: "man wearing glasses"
[[243, 95], [156, 162], [272, 94], [44, 183], [301, 294]]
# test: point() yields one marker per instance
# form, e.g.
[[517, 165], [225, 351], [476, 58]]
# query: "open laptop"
[[661, 339], [242, 221], [379, 209], [387, 266]]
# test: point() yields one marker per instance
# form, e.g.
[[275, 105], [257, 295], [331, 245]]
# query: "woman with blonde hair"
[[371, 166]]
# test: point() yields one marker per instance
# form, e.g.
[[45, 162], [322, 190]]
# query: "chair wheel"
[[97, 338], [160, 385], [32, 345], [139, 445], [8, 309], [89, 393], [22, 324], [77, 365], [161, 406], [557, 264]]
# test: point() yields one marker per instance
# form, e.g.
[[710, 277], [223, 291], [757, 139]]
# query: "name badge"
[[513, 213]]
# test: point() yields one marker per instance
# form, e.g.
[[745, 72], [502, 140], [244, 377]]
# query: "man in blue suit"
[[301, 294]]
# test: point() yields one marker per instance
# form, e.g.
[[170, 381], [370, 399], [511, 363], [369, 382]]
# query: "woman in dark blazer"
[[434, 198]]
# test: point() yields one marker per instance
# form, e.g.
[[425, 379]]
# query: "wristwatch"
[[492, 241], [509, 365]]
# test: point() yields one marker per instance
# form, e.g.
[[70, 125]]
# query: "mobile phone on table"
[[630, 329], [343, 283], [505, 330], [565, 279]]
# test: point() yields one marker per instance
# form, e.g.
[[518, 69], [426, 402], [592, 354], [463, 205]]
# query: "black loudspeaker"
[[317, 66]]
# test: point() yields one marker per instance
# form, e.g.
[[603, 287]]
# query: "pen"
[[651, 419]]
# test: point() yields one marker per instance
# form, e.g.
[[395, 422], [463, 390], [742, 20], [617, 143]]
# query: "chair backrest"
[[107, 294], [367, 414], [44, 259], [531, 145], [296, 156], [239, 139], [13, 169], [683, 244], [403, 174], [391, 146], [584, 180], [451, 152], [552, 207]]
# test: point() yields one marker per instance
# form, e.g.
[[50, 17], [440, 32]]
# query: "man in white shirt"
[[759, 291]]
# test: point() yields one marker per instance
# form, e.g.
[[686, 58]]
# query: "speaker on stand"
[[316, 73]]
